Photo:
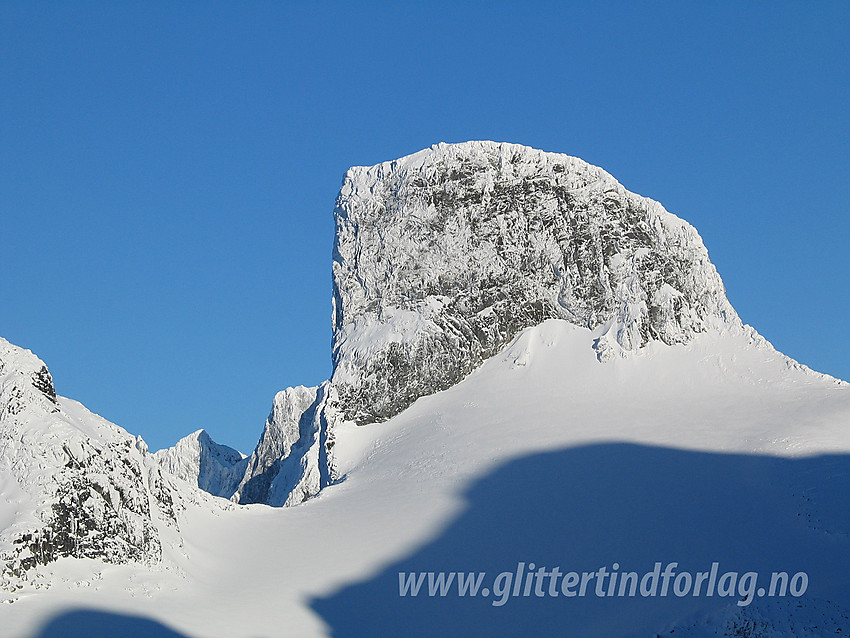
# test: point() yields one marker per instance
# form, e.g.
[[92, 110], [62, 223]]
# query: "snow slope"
[[720, 450]]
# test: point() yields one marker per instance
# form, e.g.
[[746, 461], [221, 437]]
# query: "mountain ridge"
[[75, 485], [500, 324], [441, 259]]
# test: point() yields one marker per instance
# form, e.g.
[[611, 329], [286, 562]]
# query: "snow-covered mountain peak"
[[74, 484], [25, 381], [282, 470], [443, 256], [200, 461], [285, 467]]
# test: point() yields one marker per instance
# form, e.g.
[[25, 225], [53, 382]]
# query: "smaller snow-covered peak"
[[199, 460], [19, 358], [200, 438], [283, 469]]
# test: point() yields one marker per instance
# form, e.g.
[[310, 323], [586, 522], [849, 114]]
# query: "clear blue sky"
[[168, 170]]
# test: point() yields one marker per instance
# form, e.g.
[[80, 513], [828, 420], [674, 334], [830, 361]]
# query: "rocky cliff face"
[[284, 468], [442, 257], [74, 484]]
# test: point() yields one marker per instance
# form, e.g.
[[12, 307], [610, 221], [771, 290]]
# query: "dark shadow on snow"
[[582, 508], [101, 624]]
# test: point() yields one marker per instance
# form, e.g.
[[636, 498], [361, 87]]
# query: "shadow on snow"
[[592, 506], [101, 624]]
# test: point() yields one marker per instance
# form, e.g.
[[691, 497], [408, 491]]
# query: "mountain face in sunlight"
[[74, 485], [441, 258], [532, 366]]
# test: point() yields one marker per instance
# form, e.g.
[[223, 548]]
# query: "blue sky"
[[168, 170]]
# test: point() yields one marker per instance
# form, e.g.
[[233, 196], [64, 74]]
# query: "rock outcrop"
[[74, 484]]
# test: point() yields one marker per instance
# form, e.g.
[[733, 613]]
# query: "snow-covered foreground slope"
[[718, 450]]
